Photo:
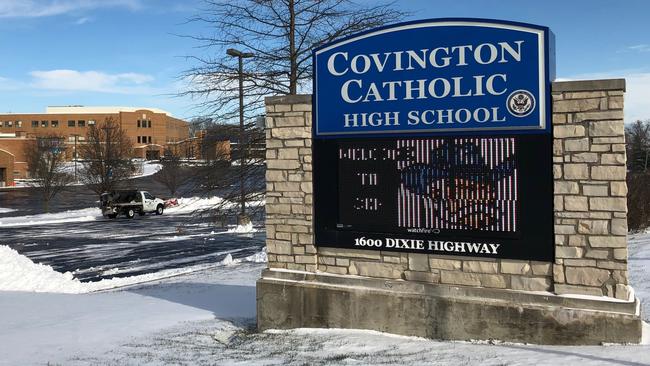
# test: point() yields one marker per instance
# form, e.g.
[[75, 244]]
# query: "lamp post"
[[75, 155], [108, 167], [242, 219]]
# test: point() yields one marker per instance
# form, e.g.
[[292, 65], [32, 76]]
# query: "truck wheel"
[[130, 213], [159, 210]]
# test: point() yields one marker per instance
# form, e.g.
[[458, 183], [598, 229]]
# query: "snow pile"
[[149, 169], [84, 214], [19, 273], [228, 261], [259, 257], [243, 229], [6, 210]]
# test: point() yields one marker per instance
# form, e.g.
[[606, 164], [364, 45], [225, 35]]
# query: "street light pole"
[[243, 219], [108, 167], [75, 156]]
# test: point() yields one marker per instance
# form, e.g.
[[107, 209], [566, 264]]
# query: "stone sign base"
[[293, 299]]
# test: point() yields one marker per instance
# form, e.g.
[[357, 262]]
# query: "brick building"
[[150, 131]]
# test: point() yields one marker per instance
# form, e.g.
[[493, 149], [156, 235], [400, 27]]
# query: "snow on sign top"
[[431, 76]]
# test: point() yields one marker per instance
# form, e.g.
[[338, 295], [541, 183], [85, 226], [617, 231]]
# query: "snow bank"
[[259, 257], [149, 169], [6, 210], [228, 261], [193, 204], [243, 229], [19, 273], [81, 215], [190, 205]]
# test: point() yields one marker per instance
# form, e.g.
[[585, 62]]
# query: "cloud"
[[640, 48], [93, 81], [637, 95], [83, 20], [44, 8], [7, 84]]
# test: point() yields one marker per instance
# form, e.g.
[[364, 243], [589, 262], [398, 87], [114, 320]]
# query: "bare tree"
[[281, 34], [45, 163], [106, 157], [173, 174], [218, 172], [637, 136]]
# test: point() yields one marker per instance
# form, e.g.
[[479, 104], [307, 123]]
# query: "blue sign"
[[429, 76]]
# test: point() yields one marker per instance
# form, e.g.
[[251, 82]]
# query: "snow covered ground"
[[208, 318], [145, 168], [82, 244], [185, 206]]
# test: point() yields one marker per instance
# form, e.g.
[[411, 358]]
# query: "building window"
[[91, 122], [149, 122], [81, 123], [138, 123], [1, 124], [70, 123], [55, 124], [19, 124], [34, 124], [81, 138], [139, 140], [149, 139], [44, 123], [10, 124]]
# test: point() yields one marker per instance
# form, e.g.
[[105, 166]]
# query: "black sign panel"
[[457, 195]]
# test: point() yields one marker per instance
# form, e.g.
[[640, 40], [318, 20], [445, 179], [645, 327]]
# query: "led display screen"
[[427, 184]]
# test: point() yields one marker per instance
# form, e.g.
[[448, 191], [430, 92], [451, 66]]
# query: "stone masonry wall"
[[289, 234], [589, 169], [590, 189]]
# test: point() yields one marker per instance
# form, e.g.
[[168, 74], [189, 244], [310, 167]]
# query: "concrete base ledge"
[[287, 299]]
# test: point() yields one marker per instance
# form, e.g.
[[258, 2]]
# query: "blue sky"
[[127, 52]]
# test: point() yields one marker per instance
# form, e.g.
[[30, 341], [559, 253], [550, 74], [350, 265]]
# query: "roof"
[[79, 109]]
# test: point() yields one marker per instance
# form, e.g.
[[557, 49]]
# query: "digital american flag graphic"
[[447, 183]]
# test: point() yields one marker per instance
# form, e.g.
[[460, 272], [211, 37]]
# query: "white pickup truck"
[[129, 203]]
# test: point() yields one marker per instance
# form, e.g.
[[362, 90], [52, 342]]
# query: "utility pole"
[[242, 219]]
